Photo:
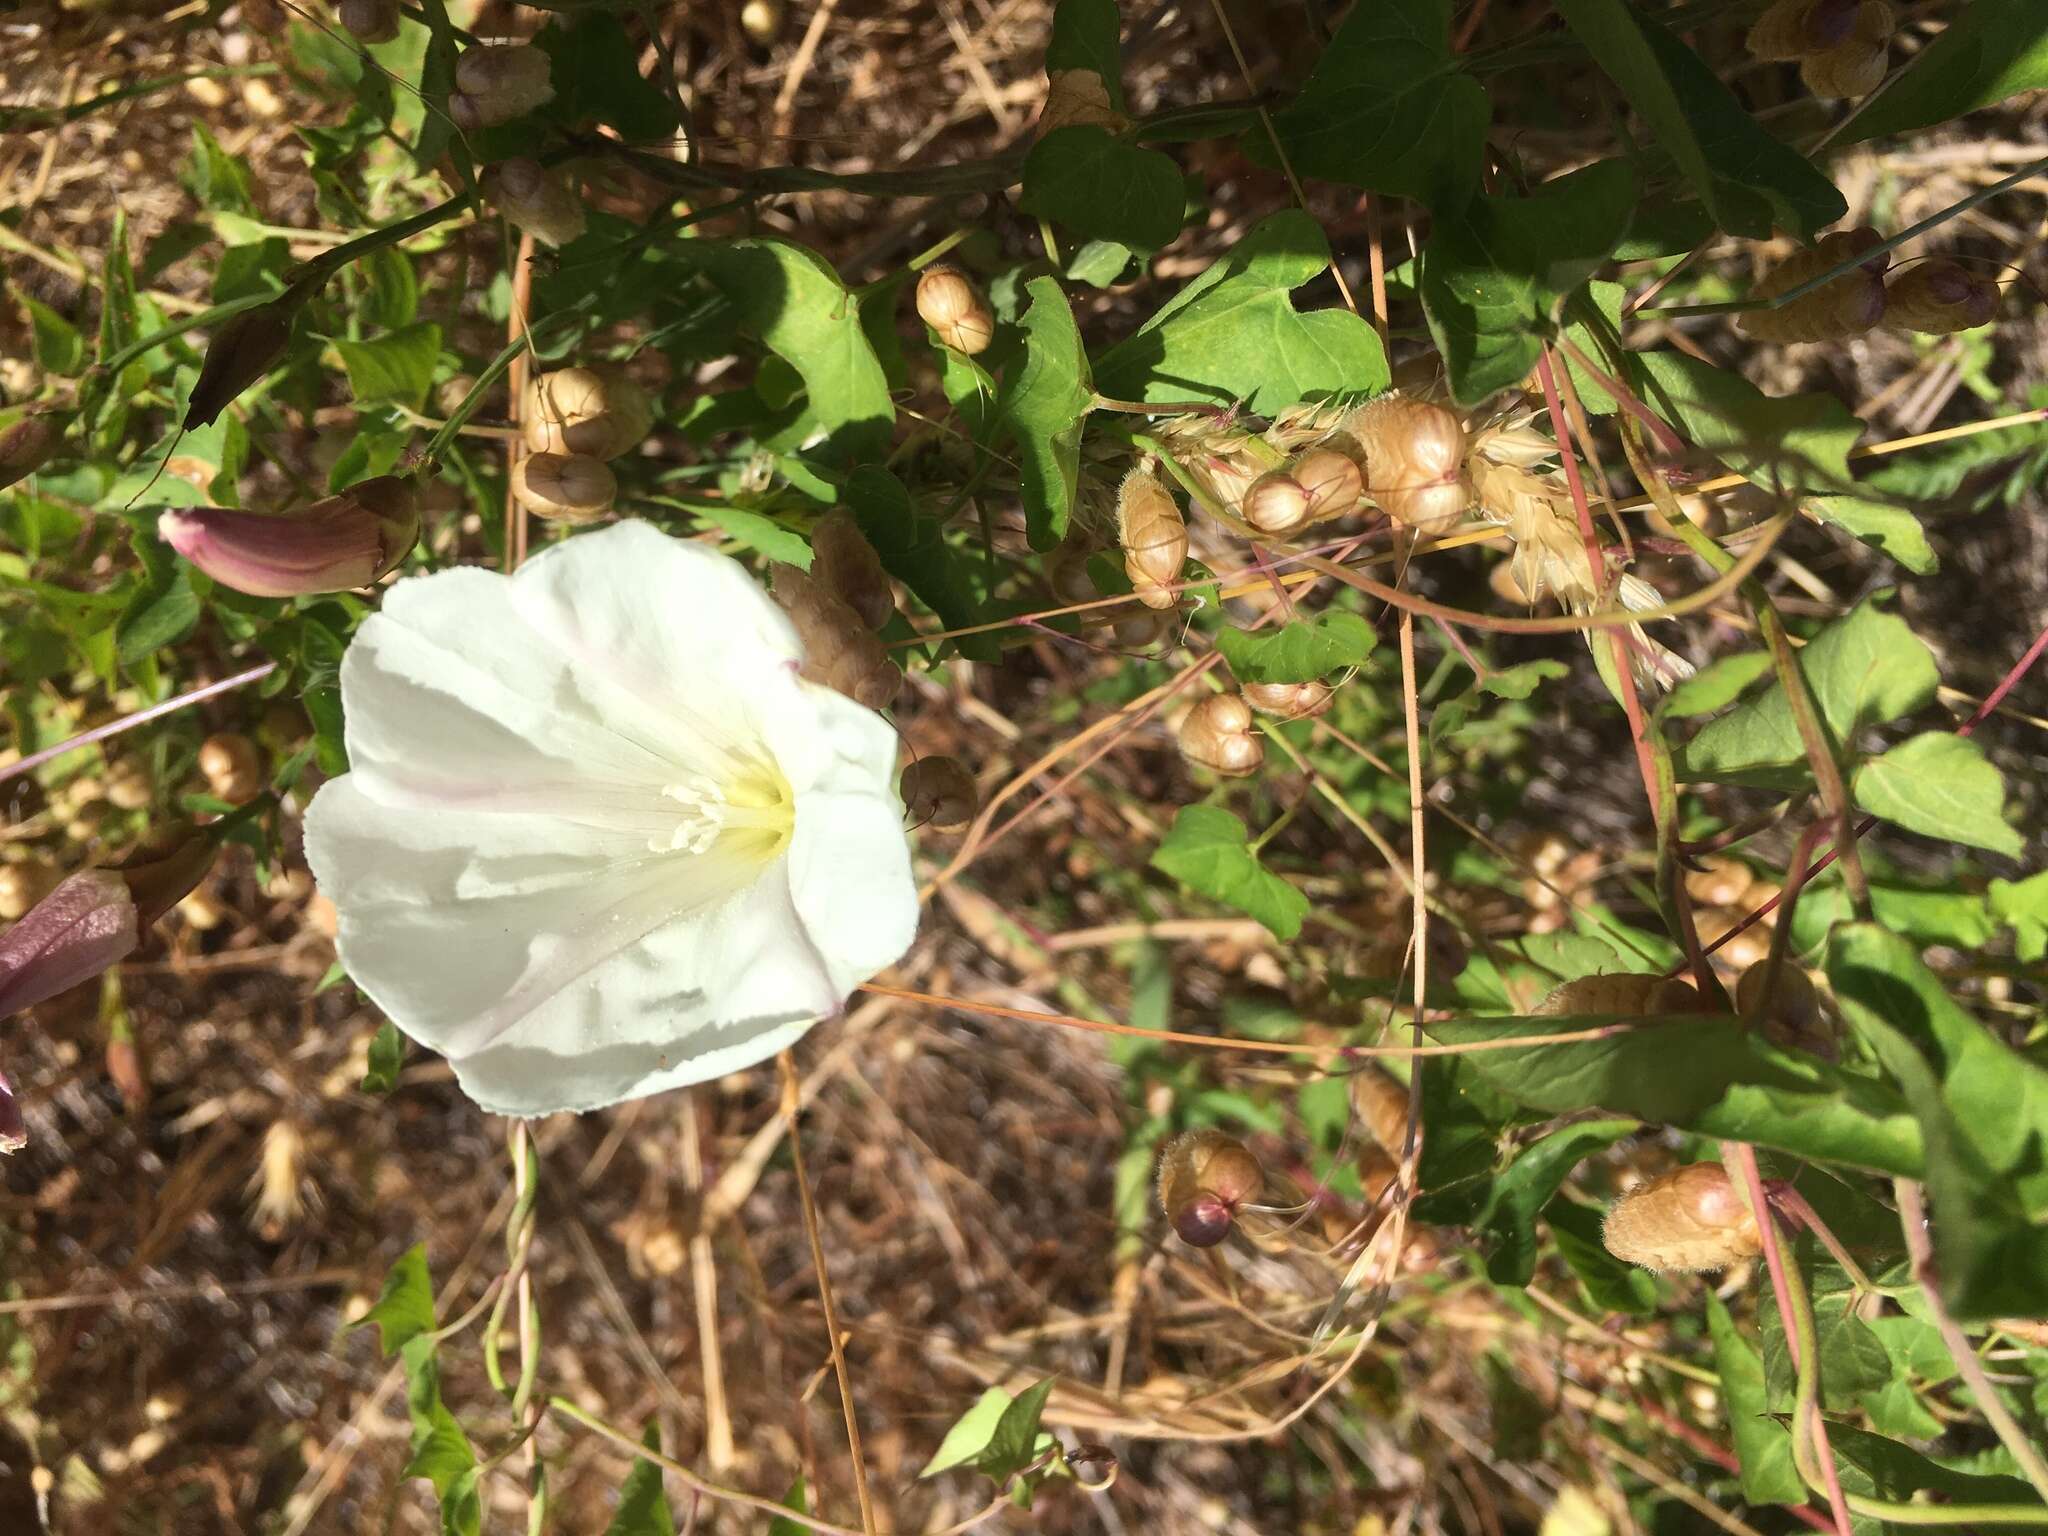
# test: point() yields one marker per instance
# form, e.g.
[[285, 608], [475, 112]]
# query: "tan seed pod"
[[1079, 98], [1624, 992], [1154, 537], [1718, 882], [1690, 1218], [953, 307], [1288, 701], [1939, 298], [761, 20], [1205, 1178], [840, 652], [1066, 573], [231, 766], [129, 786], [597, 412], [1673, 995], [1796, 1019], [1377, 1171], [1275, 504], [369, 21], [1332, 482], [540, 201], [1792, 29], [846, 563], [1845, 73], [1381, 1102], [1136, 631], [564, 487], [939, 793], [24, 884], [1848, 306], [1414, 460], [497, 82], [1217, 735]]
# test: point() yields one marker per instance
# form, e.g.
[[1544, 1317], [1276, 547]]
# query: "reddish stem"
[[112, 728]]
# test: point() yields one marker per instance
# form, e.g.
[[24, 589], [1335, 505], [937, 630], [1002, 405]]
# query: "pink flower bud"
[[85, 925], [346, 541]]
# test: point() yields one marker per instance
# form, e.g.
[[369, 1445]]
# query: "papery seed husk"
[[1847, 71], [1217, 735], [1079, 98], [1939, 298], [846, 563], [1623, 992], [1275, 504], [1848, 306], [1205, 1177], [1135, 631], [840, 652], [939, 793], [597, 412], [1792, 29], [231, 766], [1154, 537], [1381, 1102], [564, 487], [1332, 482], [1377, 1171], [1414, 460], [1289, 701], [1690, 1218], [953, 307], [540, 201], [1796, 1019], [501, 81], [369, 21]]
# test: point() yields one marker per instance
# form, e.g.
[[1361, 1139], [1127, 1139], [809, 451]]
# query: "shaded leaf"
[[1208, 852], [1084, 36], [1507, 1223], [405, 1306], [1609, 1284], [1763, 1445], [1300, 652], [1086, 179], [1991, 50], [1785, 443], [1044, 402], [914, 549], [396, 367], [643, 1502], [1939, 785]]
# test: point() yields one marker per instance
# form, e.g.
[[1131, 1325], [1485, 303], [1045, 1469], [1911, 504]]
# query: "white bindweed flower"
[[598, 838]]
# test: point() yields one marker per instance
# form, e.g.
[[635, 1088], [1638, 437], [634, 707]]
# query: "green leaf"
[[394, 296], [1014, 1443], [914, 549], [1788, 444], [1863, 669], [58, 346], [1609, 1284], [1043, 402], [1522, 679], [405, 1307], [1389, 108], [387, 1056], [1084, 36], [1717, 685], [1207, 851], [1733, 1085], [1888, 529], [797, 1499], [1748, 180], [1494, 273], [396, 367], [1992, 50], [1232, 334], [1872, 1465], [441, 1452], [1940, 785], [164, 608], [1763, 1446], [971, 1433], [595, 69], [1853, 1360], [1101, 187], [1507, 1223], [2022, 905], [1300, 652], [643, 1502], [792, 299], [218, 179]]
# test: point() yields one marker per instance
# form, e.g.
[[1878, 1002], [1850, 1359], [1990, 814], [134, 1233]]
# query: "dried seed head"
[[1626, 992], [1381, 1101], [1844, 73], [1276, 503], [26, 446], [277, 1188], [939, 792], [597, 412], [1288, 701], [1848, 306], [761, 20], [1332, 481], [1066, 573], [1690, 1218], [1673, 995], [1154, 538], [1077, 98], [498, 82], [240, 353], [1796, 1020], [840, 652], [953, 307], [1414, 460], [369, 21], [847, 565], [1792, 29], [1217, 734], [231, 766], [1205, 1177], [540, 201], [1135, 631], [1939, 298], [1377, 1171], [564, 487]]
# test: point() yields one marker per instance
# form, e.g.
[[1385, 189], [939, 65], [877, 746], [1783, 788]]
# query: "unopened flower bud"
[[244, 349], [1848, 306], [540, 201], [1332, 482], [26, 445], [1288, 701], [166, 868], [498, 82], [1205, 1178], [1414, 460], [845, 563], [344, 542], [597, 412], [840, 652], [86, 923], [1154, 537], [1690, 1218], [1217, 734], [369, 21], [564, 487], [231, 766], [1381, 1102], [1939, 298], [953, 307], [1079, 98], [1275, 504], [939, 792]]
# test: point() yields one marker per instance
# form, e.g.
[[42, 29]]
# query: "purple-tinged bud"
[[26, 446], [241, 352], [346, 541], [85, 925]]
